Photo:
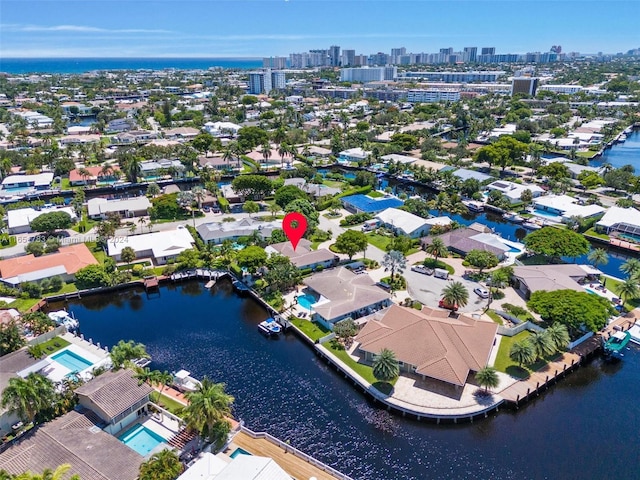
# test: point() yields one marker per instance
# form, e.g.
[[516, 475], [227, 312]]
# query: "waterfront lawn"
[[614, 286], [504, 364], [365, 371], [53, 345], [593, 233], [167, 402], [23, 304], [313, 330], [333, 183], [375, 194], [96, 251], [379, 241]]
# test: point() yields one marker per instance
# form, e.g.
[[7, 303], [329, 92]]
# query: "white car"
[[481, 292]]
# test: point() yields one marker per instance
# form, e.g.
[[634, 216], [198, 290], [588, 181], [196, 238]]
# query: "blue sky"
[[240, 28]]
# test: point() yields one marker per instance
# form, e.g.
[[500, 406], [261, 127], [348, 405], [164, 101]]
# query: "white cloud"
[[13, 27]]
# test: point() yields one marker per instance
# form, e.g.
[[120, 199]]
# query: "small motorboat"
[[62, 317], [615, 344], [184, 382], [239, 287], [270, 327], [531, 226], [475, 206], [513, 218]]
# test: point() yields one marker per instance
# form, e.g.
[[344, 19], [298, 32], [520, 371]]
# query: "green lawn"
[[593, 233], [167, 403], [333, 183], [379, 241], [22, 305], [614, 286], [495, 317], [53, 345], [505, 364], [313, 330], [97, 251], [86, 222], [65, 184], [429, 263], [365, 371], [375, 194]]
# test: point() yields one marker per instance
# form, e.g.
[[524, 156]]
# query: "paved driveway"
[[427, 289]]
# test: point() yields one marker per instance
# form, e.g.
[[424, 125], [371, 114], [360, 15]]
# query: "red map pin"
[[294, 225]]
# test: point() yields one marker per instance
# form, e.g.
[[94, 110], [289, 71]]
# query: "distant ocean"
[[82, 65]]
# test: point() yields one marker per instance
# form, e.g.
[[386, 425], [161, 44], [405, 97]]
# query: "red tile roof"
[[72, 258]]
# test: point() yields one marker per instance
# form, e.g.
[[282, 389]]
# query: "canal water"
[[621, 154], [584, 427]]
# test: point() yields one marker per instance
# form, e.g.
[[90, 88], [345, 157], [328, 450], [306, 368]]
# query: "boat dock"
[[198, 273]]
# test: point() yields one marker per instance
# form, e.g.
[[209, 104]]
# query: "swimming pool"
[[239, 451], [141, 439], [514, 250], [72, 361], [542, 213], [306, 300]]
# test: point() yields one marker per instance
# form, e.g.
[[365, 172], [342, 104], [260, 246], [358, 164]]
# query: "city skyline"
[[276, 28]]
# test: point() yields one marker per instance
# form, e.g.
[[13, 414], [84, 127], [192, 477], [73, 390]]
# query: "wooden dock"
[[541, 379]]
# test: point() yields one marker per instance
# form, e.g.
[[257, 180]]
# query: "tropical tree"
[[385, 366], [58, 474], [482, 259], [208, 410], [351, 242], [251, 207], [163, 465], [394, 261], [28, 397], [487, 377], [522, 352], [598, 256], [455, 294], [542, 344], [133, 169], [11, 338], [199, 195], [629, 289], [631, 267], [123, 352], [128, 255], [438, 249], [559, 335]]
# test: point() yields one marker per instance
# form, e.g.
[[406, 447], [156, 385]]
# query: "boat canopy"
[[181, 375], [619, 335]]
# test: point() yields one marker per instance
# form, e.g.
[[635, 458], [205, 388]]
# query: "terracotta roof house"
[[96, 175], [303, 256], [65, 263], [430, 343], [77, 439], [343, 294], [532, 278], [116, 397]]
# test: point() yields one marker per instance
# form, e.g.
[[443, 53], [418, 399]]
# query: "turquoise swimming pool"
[[72, 361], [239, 451], [306, 300], [141, 439], [545, 214]]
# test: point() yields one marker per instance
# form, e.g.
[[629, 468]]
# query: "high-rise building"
[[488, 51], [470, 54], [334, 55], [526, 85], [380, 59], [368, 74], [260, 82], [396, 52], [318, 58], [348, 58], [278, 81], [275, 63], [446, 51]]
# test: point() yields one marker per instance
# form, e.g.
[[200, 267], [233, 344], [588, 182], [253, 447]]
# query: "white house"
[[353, 155], [19, 220], [618, 219], [405, 223], [513, 191], [217, 232], [160, 246], [98, 208], [39, 181], [564, 207], [222, 129]]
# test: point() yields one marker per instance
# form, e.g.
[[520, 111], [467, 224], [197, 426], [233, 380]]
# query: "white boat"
[[531, 226], [184, 382], [475, 206], [62, 317], [512, 217], [622, 138], [270, 327]]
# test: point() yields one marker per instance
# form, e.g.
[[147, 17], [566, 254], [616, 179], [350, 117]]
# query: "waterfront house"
[[93, 175], [116, 397], [120, 125], [474, 237], [98, 208], [26, 183], [466, 174], [396, 158], [342, 294], [303, 256], [158, 246], [181, 133], [513, 191], [244, 467], [64, 263], [77, 439], [154, 169], [217, 232], [430, 343], [218, 162], [532, 278], [134, 137], [365, 204], [405, 223], [621, 221], [222, 129], [314, 189], [19, 220], [561, 208], [353, 155]]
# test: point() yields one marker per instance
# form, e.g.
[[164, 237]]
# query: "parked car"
[[481, 292], [444, 304], [206, 209], [422, 269], [384, 286]]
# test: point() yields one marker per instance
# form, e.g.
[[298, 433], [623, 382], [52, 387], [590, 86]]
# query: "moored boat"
[[62, 317], [616, 343], [270, 327], [184, 382], [513, 218], [531, 226], [475, 206]]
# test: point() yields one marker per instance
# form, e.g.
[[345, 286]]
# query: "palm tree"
[[199, 195], [84, 173], [123, 352], [208, 410], [440, 203], [542, 344], [559, 335], [629, 288], [283, 150], [394, 261], [133, 169], [631, 267], [438, 249], [385, 366], [455, 294], [27, 397], [163, 465], [522, 353], [47, 474], [266, 152], [142, 221], [487, 377], [106, 171], [227, 155], [598, 256]]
